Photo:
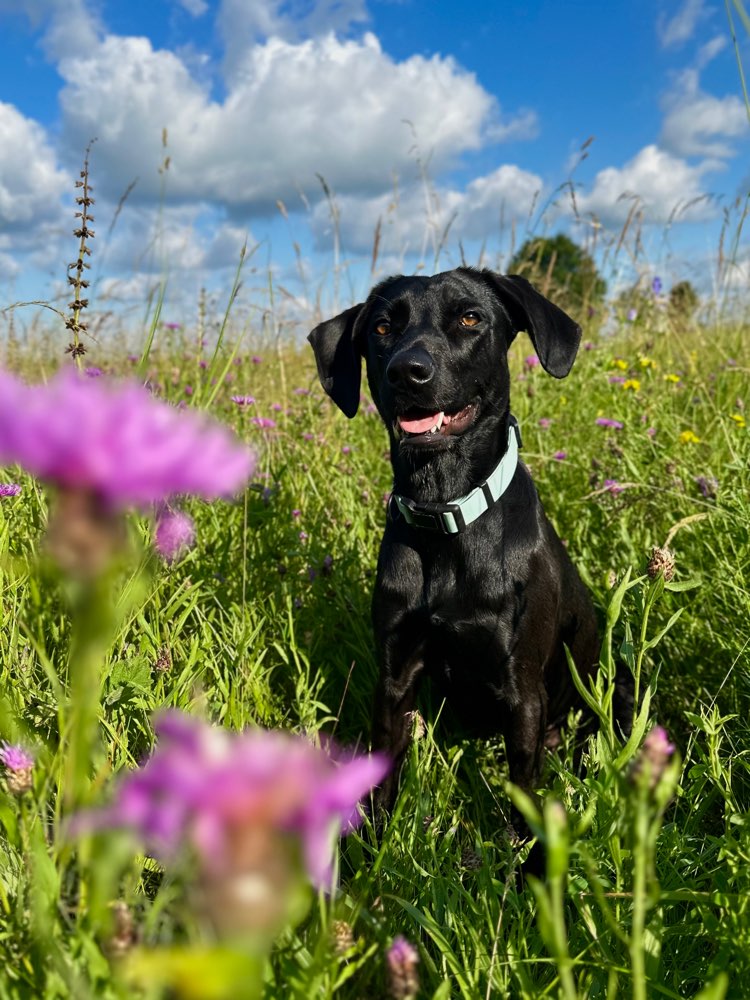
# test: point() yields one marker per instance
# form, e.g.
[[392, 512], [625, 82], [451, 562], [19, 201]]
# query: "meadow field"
[[642, 460]]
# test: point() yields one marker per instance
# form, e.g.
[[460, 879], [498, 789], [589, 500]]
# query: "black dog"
[[474, 587]]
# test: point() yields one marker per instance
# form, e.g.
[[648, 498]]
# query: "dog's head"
[[436, 348]]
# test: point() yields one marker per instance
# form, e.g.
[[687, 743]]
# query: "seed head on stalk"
[[83, 233]]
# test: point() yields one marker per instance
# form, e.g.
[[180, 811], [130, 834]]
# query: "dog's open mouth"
[[419, 427]]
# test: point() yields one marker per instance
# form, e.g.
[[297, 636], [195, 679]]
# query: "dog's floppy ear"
[[553, 333], [338, 358]]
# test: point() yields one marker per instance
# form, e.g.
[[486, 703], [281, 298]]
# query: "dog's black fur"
[[486, 613]]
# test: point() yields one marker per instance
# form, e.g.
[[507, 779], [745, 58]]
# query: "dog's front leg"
[[395, 700]]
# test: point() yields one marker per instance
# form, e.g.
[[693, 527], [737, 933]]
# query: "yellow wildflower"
[[671, 377], [631, 383], [689, 437], [620, 363], [647, 362], [739, 419]]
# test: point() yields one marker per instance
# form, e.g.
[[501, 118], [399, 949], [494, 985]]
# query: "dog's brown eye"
[[470, 319], [383, 329]]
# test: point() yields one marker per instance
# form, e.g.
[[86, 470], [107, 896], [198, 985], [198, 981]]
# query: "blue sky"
[[420, 116]]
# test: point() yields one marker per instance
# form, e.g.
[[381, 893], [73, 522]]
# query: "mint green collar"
[[452, 517]]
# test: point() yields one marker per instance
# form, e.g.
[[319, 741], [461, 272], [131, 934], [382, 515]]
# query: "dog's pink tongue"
[[420, 426]]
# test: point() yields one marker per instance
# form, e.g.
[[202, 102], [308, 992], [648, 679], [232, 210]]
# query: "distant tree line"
[[565, 271]]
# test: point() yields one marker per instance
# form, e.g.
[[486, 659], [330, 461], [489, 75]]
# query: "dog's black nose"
[[414, 367]]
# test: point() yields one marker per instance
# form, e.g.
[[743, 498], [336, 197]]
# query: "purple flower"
[[651, 431], [308, 437], [9, 489], [256, 360], [277, 407], [301, 392], [116, 441], [632, 315], [264, 422], [172, 326], [93, 372], [243, 400], [615, 425], [707, 485], [613, 487], [175, 532], [656, 286], [188, 390], [402, 959], [15, 758], [589, 345], [653, 757], [531, 361], [545, 423], [296, 513], [560, 456], [206, 788], [203, 363], [346, 450], [617, 379], [303, 536]]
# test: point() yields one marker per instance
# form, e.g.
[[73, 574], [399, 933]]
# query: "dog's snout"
[[412, 367]]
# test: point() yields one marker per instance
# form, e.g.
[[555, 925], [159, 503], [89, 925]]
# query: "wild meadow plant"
[[172, 717]]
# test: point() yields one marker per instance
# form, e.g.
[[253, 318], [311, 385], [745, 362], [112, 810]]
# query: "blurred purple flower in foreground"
[[175, 532], [9, 489], [206, 789], [114, 440], [654, 755], [402, 959]]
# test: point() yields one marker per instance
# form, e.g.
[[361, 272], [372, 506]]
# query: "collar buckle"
[[430, 515]]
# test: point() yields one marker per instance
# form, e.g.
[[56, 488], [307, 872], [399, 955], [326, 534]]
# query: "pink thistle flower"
[[614, 425], [172, 326], [116, 441], [93, 372], [277, 407], [19, 766], [560, 456], [175, 532], [402, 959], [243, 400], [651, 431], [9, 489], [256, 360], [264, 422], [613, 487], [545, 423], [15, 758], [301, 392], [531, 361], [617, 380], [205, 788], [188, 390], [346, 450], [296, 513]]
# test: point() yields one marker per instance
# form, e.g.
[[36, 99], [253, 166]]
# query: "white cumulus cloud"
[[664, 186], [31, 183], [343, 109], [699, 124]]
